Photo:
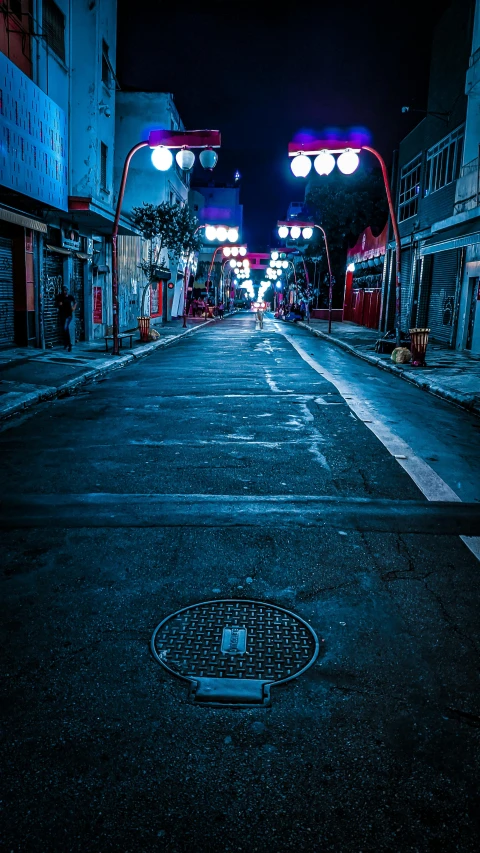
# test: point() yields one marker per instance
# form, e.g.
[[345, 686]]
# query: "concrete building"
[[430, 177], [57, 125], [137, 113]]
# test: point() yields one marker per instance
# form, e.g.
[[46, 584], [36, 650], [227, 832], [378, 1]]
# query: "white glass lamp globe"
[[232, 235], [279, 284], [272, 263], [274, 256], [246, 263], [162, 158], [221, 233], [227, 251], [185, 159], [348, 161], [301, 165], [283, 232], [307, 233], [233, 263], [295, 232], [243, 250], [284, 264], [208, 158], [234, 251], [324, 163], [278, 264]]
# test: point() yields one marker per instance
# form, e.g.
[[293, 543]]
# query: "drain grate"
[[232, 652]]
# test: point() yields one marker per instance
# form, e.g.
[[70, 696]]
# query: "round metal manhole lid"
[[232, 651]]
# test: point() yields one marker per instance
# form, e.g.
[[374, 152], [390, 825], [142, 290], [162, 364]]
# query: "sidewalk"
[[449, 373], [29, 376]]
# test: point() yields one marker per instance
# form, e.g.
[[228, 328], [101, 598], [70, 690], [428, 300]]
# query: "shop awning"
[[21, 219]]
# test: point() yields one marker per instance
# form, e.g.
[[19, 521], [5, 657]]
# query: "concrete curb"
[[464, 401], [46, 392]]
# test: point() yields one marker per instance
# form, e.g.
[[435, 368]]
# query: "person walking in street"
[[66, 306], [221, 310], [259, 318]]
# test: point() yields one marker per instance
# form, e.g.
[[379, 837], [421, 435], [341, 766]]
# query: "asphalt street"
[[241, 464]]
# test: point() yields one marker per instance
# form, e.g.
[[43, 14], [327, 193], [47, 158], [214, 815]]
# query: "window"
[[106, 75], [53, 25], [409, 189], [444, 160], [103, 165]]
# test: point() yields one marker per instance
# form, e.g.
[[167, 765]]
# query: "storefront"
[[363, 281]]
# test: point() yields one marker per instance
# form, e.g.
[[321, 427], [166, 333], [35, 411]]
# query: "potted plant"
[[169, 230]]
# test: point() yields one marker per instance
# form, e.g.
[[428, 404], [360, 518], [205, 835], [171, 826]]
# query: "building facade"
[[137, 113], [430, 176], [57, 133]]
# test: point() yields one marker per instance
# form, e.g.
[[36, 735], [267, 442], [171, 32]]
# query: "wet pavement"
[[375, 747]]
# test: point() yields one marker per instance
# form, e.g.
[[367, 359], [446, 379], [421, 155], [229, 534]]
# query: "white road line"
[[427, 480]]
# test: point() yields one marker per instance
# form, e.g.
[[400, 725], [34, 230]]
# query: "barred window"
[[410, 176], [103, 165], [444, 161], [53, 26]]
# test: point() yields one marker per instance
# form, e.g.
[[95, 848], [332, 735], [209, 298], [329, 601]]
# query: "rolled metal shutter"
[[52, 286], [76, 289], [406, 306], [7, 329], [441, 305]]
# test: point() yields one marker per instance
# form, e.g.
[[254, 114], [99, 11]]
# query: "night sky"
[[261, 72]]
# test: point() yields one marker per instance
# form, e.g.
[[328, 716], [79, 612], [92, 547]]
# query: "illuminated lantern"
[[162, 158], [301, 165], [324, 163], [185, 159], [348, 161], [208, 158]]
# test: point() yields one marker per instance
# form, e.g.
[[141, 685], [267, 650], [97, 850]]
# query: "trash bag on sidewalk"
[[401, 355]]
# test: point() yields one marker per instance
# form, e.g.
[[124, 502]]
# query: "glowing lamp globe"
[[278, 264], [283, 232], [227, 251], [208, 158], [295, 232], [274, 256], [211, 232], [234, 251], [233, 263], [232, 235], [284, 264], [307, 233], [162, 158], [324, 163], [243, 251], [301, 165], [279, 284], [185, 159], [221, 233], [272, 263], [246, 263], [348, 161]]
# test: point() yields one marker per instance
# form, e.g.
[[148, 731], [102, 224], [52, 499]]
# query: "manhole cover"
[[232, 652]]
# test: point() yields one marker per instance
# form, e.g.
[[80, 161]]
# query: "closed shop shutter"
[[77, 291], [52, 286], [406, 306], [441, 306], [7, 335]]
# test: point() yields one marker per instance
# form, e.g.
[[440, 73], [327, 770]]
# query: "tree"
[[169, 230], [345, 205]]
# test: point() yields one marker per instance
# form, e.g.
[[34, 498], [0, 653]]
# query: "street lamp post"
[[347, 162], [305, 229], [160, 141]]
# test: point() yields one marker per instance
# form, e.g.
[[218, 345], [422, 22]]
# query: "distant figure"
[[66, 306], [259, 318], [221, 309]]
